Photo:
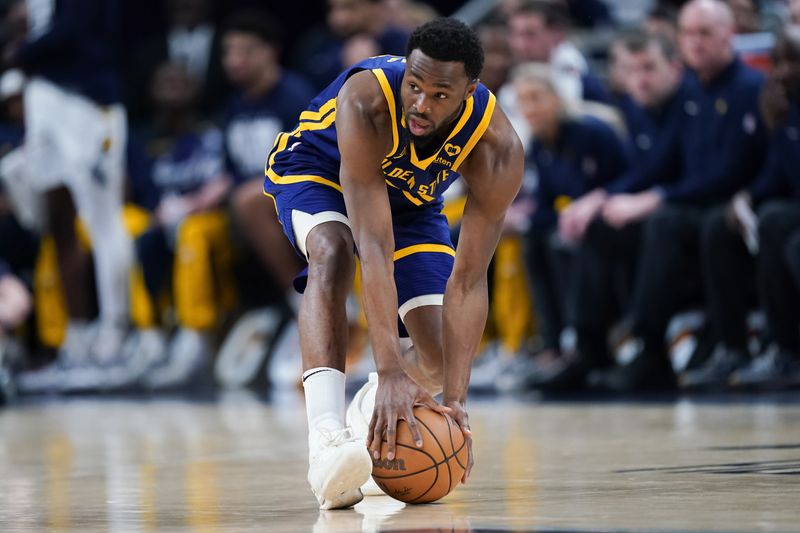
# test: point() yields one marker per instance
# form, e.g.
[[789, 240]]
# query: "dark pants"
[[18, 246], [549, 264], [729, 278], [777, 271], [156, 259], [602, 284], [668, 275]]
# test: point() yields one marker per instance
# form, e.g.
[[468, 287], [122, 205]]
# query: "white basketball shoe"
[[358, 416], [339, 464]]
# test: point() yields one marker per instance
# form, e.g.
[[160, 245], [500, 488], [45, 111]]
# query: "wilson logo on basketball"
[[386, 464]]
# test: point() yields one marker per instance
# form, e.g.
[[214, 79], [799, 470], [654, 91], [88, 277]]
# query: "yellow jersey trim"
[[274, 204], [318, 115], [330, 118], [280, 141], [420, 248], [413, 200], [288, 180], [389, 95], [478, 133], [468, 108]]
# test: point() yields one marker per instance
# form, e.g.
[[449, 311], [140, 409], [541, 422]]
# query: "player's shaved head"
[[705, 30]]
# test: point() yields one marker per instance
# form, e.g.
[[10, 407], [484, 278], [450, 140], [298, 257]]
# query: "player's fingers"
[[372, 422], [470, 461], [391, 435], [377, 438], [414, 427], [427, 400]]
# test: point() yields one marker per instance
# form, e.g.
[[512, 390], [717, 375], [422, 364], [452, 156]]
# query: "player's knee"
[[330, 253]]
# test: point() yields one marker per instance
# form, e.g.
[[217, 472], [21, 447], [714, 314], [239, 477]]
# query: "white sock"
[[325, 406]]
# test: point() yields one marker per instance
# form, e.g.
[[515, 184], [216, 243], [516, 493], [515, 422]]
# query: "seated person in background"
[[619, 68], [661, 20], [267, 100], [571, 155], [319, 54], [538, 32], [740, 248], [722, 148], [605, 269], [186, 246], [191, 39]]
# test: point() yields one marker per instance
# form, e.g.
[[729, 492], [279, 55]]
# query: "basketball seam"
[[444, 454], [444, 460], [435, 465]]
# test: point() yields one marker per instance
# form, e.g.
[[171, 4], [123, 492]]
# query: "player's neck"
[[427, 146]]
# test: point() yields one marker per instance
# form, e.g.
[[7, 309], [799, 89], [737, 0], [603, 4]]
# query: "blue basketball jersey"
[[310, 152]]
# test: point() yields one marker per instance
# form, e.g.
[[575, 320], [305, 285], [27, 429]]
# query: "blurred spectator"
[[661, 20], [794, 12], [722, 149], [319, 55], [606, 257], [407, 14], [589, 13], [497, 54], [359, 47], [18, 246], [16, 28], [72, 54], [572, 155], [538, 33], [735, 235], [751, 43], [187, 173], [18, 218], [192, 40], [619, 66], [745, 16], [268, 100]]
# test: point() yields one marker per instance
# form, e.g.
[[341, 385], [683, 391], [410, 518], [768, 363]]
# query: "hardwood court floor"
[[238, 464]]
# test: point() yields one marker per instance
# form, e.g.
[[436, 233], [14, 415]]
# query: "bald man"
[[722, 148]]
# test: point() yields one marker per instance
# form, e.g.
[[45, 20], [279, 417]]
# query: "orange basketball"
[[423, 475]]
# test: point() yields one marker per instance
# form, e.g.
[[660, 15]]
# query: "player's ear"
[[473, 85]]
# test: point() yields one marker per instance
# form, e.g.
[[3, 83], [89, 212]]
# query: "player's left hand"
[[460, 416], [395, 399]]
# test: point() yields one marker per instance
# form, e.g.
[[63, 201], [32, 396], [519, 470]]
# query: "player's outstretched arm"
[[364, 132], [493, 174]]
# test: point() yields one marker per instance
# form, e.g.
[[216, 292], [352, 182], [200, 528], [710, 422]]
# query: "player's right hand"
[[394, 400]]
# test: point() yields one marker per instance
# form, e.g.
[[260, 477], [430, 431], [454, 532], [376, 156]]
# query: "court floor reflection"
[[239, 464]]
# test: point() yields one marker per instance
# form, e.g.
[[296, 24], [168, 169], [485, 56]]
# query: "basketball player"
[[76, 130], [365, 170]]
